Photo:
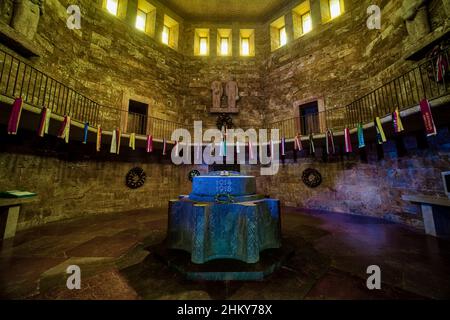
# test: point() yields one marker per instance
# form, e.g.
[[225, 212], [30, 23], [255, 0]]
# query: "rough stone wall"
[[340, 60], [108, 58], [373, 189], [200, 72], [72, 189]]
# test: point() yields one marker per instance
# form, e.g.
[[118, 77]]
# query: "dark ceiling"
[[225, 10]]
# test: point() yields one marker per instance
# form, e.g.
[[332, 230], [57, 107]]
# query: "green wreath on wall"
[[224, 198]]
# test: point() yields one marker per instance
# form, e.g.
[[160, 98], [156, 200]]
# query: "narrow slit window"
[[203, 46], [224, 46], [283, 36], [112, 6], [245, 45], [141, 20], [335, 8], [166, 35], [306, 22]]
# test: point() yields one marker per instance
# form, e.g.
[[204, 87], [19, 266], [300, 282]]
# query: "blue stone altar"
[[224, 218]]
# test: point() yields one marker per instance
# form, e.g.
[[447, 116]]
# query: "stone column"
[[289, 24], [132, 12], [213, 42], [315, 13]]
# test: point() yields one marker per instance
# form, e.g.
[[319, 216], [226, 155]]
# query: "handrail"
[[19, 78], [402, 92]]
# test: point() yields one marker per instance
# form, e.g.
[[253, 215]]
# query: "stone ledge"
[[419, 49], [17, 42]]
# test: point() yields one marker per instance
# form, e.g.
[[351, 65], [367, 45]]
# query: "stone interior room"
[[224, 149]]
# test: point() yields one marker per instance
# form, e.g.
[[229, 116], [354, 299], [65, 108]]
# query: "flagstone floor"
[[332, 253]]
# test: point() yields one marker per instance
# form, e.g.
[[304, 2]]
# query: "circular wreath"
[[312, 178], [224, 198], [193, 174], [224, 120], [135, 178]]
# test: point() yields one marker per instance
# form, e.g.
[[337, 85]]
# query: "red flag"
[[149, 144], [427, 116], [14, 118], [348, 141]]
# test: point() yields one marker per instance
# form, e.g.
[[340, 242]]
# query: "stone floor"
[[332, 253]]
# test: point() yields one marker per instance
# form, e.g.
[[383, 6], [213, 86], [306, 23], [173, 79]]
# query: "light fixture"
[[112, 6]]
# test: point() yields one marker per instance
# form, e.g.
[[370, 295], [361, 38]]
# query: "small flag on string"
[[86, 132], [132, 142], [164, 152], [312, 148], [361, 140], [397, 121], [238, 147], [149, 144], [115, 141], [14, 118], [283, 147], [441, 67], [425, 109], [381, 137], [348, 141], [99, 138], [44, 124], [113, 148], [271, 146], [298, 143], [250, 150], [64, 130], [330, 142]]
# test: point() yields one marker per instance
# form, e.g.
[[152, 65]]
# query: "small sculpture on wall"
[[232, 93], [217, 93], [415, 15], [26, 15]]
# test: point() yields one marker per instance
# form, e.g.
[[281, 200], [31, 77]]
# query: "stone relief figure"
[[232, 92], [415, 14], [26, 16], [217, 93]]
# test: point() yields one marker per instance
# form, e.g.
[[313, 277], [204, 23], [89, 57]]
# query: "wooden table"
[[435, 212], [9, 215]]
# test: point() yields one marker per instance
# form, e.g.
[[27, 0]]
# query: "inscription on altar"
[[223, 186]]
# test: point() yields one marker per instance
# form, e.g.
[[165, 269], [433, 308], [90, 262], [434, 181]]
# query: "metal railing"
[[403, 92], [19, 79]]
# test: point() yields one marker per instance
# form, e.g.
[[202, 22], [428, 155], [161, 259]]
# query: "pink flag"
[[14, 118], [149, 144], [165, 147], [250, 150], [427, 116], [283, 147], [348, 141], [298, 143]]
